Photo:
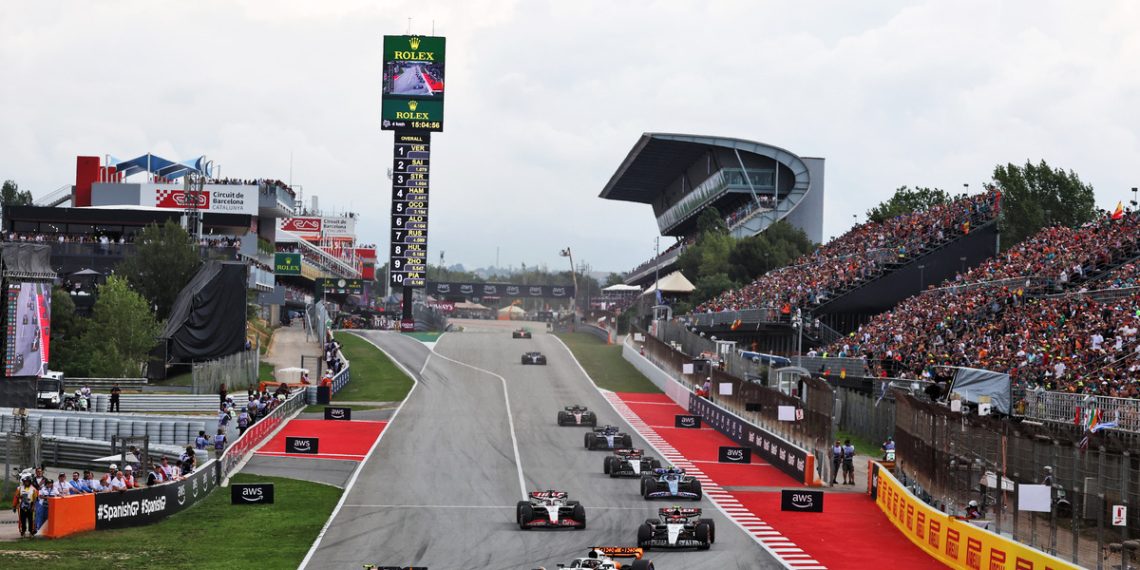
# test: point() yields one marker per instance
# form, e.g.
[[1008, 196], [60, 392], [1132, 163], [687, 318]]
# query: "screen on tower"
[[413, 87], [28, 329]]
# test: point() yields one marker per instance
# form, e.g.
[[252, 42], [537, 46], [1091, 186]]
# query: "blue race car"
[[670, 482], [608, 437]]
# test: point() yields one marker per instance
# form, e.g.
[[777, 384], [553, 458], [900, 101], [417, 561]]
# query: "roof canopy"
[[159, 166], [620, 287], [674, 282]]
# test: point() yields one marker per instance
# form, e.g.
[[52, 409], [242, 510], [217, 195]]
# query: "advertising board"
[[287, 263], [27, 329], [413, 83], [955, 543], [500, 290], [772, 449], [214, 198], [411, 165], [340, 286], [151, 504], [308, 227], [251, 493]]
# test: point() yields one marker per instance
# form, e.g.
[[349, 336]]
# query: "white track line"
[[371, 450], [504, 507], [510, 416], [719, 498]]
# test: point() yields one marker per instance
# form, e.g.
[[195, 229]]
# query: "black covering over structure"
[[21, 262], [208, 317]]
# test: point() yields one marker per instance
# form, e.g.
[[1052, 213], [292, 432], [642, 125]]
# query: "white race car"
[[550, 509], [629, 463], [602, 558], [675, 527]]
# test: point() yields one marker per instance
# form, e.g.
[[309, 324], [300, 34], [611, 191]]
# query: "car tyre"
[[607, 465], [642, 565], [696, 487], [712, 529], [644, 535], [627, 441], [589, 440], [524, 513], [702, 535], [656, 463], [580, 516]]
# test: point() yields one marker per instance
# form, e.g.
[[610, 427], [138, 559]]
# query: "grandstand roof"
[[657, 159], [159, 166]]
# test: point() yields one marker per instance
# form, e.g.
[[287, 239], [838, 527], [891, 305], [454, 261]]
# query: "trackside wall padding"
[[69, 515]]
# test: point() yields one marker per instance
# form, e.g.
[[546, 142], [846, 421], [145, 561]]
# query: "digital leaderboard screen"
[[410, 166], [413, 83], [28, 324]]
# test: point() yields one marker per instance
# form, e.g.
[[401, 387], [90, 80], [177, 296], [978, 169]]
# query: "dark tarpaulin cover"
[[29, 261], [208, 317]]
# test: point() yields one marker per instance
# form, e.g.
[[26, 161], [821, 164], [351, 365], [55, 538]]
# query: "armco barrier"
[[257, 432], [785, 456], [953, 542]]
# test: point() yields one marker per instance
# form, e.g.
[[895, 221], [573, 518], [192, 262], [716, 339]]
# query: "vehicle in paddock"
[[608, 437], [577, 416], [602, 558], [550, 509], [675, 527], [534, 358], [629, 463], [521, 333], [669, 483]]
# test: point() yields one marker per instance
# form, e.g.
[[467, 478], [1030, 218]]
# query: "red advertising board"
[[302, 225], [180, 199]]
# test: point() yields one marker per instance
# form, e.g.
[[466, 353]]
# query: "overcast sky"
[[544, 100]]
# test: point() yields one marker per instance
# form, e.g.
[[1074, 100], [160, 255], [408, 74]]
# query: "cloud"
[[546, 98]]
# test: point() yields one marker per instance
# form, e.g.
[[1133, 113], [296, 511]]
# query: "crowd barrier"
[[793, 460], [136, 507], [953, 542]]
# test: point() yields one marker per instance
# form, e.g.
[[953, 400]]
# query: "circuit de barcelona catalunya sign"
[[500, 290]]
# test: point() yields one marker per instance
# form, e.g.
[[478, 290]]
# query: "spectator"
[[243, 422], [24, 501], [188, 460], [78, 486], [201, 442], [97, 485], [220, 442], [116, 392], [129, 480], [155, 476], [62, 487], [116, 482]]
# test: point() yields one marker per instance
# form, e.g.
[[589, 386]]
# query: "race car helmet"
[[676, 511], [973, 504]]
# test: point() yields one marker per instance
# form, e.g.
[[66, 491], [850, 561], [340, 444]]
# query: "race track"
[[440, 489]]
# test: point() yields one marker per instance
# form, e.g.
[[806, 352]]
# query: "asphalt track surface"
[[441, 487]]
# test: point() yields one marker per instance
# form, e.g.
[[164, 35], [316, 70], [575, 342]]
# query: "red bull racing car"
[[550, 509], [602, 558]]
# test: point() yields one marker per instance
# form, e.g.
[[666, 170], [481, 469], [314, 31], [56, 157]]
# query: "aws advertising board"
[[413, 90]]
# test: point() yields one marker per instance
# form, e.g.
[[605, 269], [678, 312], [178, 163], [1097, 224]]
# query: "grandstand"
[[752, 184]]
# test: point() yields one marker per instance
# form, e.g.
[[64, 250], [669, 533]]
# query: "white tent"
[[674, 282], [621, 288]]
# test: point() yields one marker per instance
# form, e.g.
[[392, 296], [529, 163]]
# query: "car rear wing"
[[620, 551], [549, 494], [629, 452], [685, 512]]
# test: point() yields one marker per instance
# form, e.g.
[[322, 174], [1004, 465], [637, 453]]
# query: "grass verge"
[[375, 378], [604, 363], [862, 446], [264, 536]]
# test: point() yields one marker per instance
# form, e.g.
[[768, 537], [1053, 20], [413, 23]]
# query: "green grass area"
[[604, 363], [425, 336], [862, 446], [180, 379], [265, 371], [212, 534], [375, 378]]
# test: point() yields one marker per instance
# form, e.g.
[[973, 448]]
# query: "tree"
[[776, 246], [1035, 196], [614, 279], [121, 331], [68, 352], [164, 262], [10, 195], [710, 221], [710, 286], [906, 201]]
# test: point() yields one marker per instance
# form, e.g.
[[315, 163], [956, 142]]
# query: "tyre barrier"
[[163, 430]]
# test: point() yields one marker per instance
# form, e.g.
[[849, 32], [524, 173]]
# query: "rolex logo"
[[414, 43], [412, 105]]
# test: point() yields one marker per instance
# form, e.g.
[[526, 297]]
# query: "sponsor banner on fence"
[[151, 504], [251, 493], [500, 290], [954, 542], [447, 306], [734, 455], [687, 421], [775, 450], [801, 500]]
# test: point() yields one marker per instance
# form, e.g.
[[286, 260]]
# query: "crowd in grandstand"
[[998, 316], [107, 239], [857, 255], [742, 213]]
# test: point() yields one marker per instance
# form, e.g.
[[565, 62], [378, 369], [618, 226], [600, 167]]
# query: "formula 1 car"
[[629, 463], [577, 416], [520, 333], [675, 527], [550, 509], [671, 482], [608, 437], [602, 558], [533, 358]]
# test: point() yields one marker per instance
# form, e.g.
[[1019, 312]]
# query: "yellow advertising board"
[[956, 543]]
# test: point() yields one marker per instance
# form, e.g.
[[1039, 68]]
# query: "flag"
[[1105, 425], [1077, 418], [660, 300], [1094, 420], [1084, 443], [1119, 211]]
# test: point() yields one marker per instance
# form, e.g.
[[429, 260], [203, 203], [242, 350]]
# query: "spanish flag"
[[1119, 211]]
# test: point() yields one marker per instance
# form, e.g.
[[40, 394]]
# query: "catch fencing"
[[1067, 408], [949, 459], [237, 371]]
